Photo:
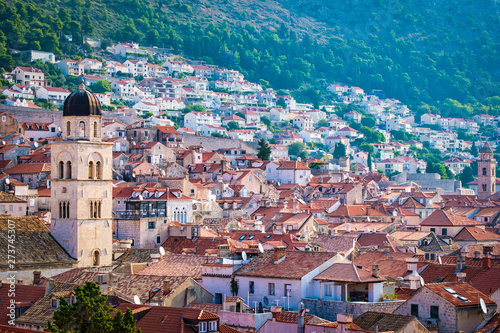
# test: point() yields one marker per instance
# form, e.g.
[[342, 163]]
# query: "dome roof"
[[486, 148], [81, 103]]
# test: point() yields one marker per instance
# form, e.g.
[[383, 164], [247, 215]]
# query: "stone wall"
[[210, 143], [329, 309], [23, 114]]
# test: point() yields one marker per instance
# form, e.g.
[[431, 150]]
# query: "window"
[[91, 170], [158, 239], [68, 170], [288, 290], [151, 225], [96, 258], [68, 128], [444, 232], [433, 229], [98, 171], [11, 208], [434, 311], [271, 289], [54, 303], [82, 128], [251, 287], [202, 327], [61, 170], [484, 171], [95, 129], [328, 289], [485, 187], [212, 326], [414, 310]]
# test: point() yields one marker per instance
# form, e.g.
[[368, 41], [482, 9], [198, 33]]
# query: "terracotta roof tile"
[[347, 273], [444, 218], [179, 265], [464, 289]]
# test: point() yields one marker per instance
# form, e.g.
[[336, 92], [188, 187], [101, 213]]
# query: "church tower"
[[81, 183], [486, 168]]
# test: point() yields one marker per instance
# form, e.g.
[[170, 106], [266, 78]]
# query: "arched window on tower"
[[91, 170], [68, 170], [95, 210], [484, 171], [95, 129], [91, 209], [68, 128], [96, 258], [61, 170], [485, 187], [98, 171], [82, 128], [99, 209], [67, 210], [60, 210], [493, 171]]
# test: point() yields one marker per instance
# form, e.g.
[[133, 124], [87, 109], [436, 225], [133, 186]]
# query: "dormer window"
[[202, 326], [54, 304]]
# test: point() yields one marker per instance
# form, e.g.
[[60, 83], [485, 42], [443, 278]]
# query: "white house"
[[177, 66], [70, 67], [91, 64], [29, 76], [52, 94], [195, 120], [207, 130], [311, 136], [289, 172], [303, 122]]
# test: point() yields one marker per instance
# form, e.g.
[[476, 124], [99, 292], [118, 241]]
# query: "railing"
[[134, 214]]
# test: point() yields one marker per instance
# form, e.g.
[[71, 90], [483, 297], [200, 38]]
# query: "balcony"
[[137, 214]]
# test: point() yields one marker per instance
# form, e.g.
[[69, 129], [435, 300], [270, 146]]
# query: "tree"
[[233, 125], [322, 123], [264, 150], [281, 103], [466, 176], [265, 120], [366, 147], [339, 150], [90, 314], [101, 87], [369, 162], [240, 114], [474, 150], [368, 122], [234, 287], [297, 149]]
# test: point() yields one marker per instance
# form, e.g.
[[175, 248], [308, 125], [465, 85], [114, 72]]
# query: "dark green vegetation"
[[90, 314], [441, 56]]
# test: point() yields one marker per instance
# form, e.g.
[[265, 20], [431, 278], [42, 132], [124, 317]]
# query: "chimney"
[[279, 254], [347, 227], [276, 311], [414, 280], [295, 207], [486, 262], [166, 287], [222, 251], [155, 257], [460, 263], [477, 255], [344, 318], [125, 243], [376, 271], [461, 277], [49, 285], [411, 264], [37, 277]]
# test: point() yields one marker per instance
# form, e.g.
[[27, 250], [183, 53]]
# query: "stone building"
[[486, 177], [82, 183]]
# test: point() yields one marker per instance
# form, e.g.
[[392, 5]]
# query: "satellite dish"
[[162, 250], [36, 144], [422, 281], [439, 260], [137, 300], [483, 306], [244, 256], [59, 129], [7, 181], [266, 300], [314, 228], [140, 197], [261, 248]]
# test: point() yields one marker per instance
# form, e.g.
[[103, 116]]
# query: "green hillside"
[[442, 53]]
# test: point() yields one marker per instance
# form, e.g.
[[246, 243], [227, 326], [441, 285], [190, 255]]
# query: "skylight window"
[[242, 237], [251, 237]]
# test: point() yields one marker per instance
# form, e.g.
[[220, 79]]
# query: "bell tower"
[[81, 179], [486, 168]]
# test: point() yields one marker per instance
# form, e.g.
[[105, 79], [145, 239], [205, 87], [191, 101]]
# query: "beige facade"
[[81, 198]]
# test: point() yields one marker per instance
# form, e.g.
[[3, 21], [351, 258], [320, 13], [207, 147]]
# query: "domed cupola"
[[81, 103]]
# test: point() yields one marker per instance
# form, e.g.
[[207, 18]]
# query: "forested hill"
[[442, 53]]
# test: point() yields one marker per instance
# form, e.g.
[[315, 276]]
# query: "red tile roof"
[[26, 168], [292, 165], [179, 265], [294, 266], [25, 294], [464, 289], [347, 273], [446, 218]]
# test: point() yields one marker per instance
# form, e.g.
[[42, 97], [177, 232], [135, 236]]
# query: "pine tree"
[[264, 150], [90, 314], [369, 162], [474, 150], [339, 150]]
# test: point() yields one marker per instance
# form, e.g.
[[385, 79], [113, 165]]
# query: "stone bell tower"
[[81, 178], [486, 168]]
